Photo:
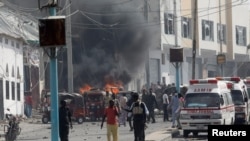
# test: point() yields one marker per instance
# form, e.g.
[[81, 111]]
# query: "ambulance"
[[240, 98], [207, 102], [247, 82]]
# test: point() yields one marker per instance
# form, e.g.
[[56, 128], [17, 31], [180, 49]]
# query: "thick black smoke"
[[110, 41]]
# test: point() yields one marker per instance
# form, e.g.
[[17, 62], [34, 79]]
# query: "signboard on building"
[[221, 58]]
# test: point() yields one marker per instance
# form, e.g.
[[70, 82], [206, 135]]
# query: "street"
[[33, 129], [88, 131]]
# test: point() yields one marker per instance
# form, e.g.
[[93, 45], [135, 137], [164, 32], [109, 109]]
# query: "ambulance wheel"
[[195, 133], [185, 133]]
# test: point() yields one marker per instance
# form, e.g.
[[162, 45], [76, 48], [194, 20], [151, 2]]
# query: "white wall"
[[240, 17], [14, 58]]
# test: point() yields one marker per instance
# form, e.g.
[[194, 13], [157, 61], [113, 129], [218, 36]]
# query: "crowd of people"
[[138, 110]]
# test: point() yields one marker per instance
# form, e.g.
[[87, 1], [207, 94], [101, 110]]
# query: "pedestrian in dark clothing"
[[129, 118], [139, 111], [152, 104], [64, 121], [144, 97], [117, 103]]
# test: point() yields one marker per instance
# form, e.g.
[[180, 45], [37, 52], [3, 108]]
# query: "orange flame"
[[85, 88], [113, 87]]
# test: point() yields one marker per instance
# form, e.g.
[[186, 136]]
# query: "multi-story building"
[[16, 32], [218, 30], [221, 28]]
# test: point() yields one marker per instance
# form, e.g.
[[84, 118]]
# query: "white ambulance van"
[[207, 102], [247, 82], [240, 98]]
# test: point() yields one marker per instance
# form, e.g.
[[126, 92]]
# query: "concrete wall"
[[12, 56]]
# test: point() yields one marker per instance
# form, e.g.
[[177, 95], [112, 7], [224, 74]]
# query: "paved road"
[[200, 137], [34, 130], [88, 131]]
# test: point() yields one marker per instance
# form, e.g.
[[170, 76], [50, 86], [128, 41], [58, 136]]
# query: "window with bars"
[[163, 59], [241, 36], [186, 27], [7, 87], [169, 23], [13, 94], [18, 91], [207, 30], [221, 33]]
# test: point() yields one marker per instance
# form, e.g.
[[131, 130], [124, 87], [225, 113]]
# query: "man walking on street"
[[178, 111], [64, 121], [28, 105], [174, 105], [139, 111], [123, 114], [152, 104], [111, 112], [130, 116], [165, 101]]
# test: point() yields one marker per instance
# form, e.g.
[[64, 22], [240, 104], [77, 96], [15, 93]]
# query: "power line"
[[84, 13], [105, 13], [152, 23]]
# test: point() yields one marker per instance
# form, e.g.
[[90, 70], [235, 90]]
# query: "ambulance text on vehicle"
[[207, 102], [240, 98]]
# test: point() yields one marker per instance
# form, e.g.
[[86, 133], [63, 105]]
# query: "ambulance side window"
[[226, 99], [221, 100], [229, 97]]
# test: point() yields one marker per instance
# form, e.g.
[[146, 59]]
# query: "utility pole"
[[54, 88], [177, 82], [53, 82], [147, 54], [52, 34], [194, 38], [69, 49], [220, 37]]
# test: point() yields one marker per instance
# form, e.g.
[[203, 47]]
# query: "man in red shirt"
[[111, 112]]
